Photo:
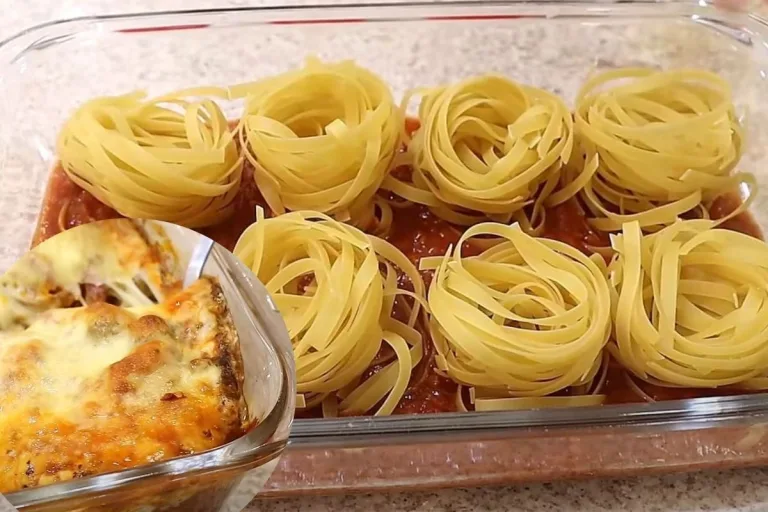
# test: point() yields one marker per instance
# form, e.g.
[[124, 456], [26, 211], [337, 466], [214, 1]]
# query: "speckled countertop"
[[730, 491]]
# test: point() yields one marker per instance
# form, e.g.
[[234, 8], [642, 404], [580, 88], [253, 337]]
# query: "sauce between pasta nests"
[[417, 233]]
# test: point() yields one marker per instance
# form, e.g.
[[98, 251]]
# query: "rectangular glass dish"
[[49, 70]]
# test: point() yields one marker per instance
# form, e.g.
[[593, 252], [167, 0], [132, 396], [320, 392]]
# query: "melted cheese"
[[119, 254], [94, 389], [59, 356]]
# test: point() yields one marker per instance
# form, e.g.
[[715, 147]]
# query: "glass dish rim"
[[377, 11], [663, 415]]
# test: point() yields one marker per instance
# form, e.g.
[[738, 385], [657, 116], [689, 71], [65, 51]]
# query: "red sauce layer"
[[417, 233]]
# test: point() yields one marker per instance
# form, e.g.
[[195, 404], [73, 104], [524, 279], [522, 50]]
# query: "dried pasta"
[[167, 158], [321, 138], [487, 148], [690, 305], [336, 289], [528, 322], [526, 318], [653, 145]]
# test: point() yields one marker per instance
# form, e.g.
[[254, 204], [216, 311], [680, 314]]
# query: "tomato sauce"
[[724, 205], [66, 205], [567, 223], [417, 233]]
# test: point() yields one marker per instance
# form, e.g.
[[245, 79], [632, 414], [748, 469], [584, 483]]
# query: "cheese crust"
[[90, 387]]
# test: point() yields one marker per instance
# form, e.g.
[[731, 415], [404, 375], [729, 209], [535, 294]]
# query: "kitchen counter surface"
[[727, 491]]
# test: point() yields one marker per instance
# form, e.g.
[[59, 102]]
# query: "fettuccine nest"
[[526, 318], [168, 158], [336, 287], [487, 148], [321, 138], [654, 145], [690, 305]]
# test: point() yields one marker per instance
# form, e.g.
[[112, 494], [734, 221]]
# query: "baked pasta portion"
[[93, 386]]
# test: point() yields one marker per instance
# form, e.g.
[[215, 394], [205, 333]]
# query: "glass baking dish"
[[50, 69], [226, 478]]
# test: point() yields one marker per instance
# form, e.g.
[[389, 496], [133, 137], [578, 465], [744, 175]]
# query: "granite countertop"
[[726, 491]]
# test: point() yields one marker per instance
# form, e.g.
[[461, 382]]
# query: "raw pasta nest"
[[654, 145], [336, 287], [321, 138], [167, 158], [527, 317], [690, 305], [487, 147]]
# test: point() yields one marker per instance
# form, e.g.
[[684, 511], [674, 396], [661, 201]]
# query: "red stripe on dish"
[[479, 17], [332, 21], [164, 29]]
